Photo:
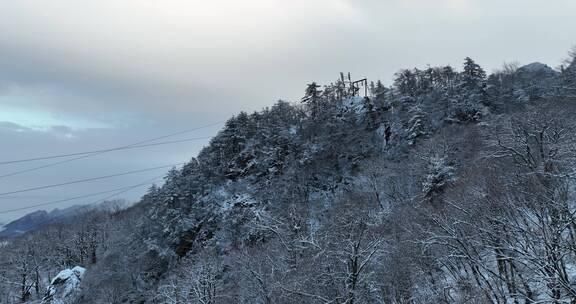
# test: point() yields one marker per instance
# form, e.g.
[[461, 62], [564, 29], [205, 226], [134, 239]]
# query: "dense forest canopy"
[[450, 186]]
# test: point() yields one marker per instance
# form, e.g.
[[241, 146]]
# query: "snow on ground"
[[229, 201]]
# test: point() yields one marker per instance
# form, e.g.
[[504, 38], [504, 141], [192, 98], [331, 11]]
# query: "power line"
[[133, 146], [138, 171], [116, 191], [140, 145], [102, 150], [98, 153], [123, 189], [120, 192], [88, 179]]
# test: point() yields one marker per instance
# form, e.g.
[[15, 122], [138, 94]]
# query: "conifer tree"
[[406, 82], [473, 75], [312, 98]]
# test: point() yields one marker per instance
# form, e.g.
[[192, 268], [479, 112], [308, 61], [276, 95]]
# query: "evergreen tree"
[[381, 97], [378, 89], [312, 97], [469, 100], [440, 174], [406, 82], [425, 80], [473, 75], [416, 128]]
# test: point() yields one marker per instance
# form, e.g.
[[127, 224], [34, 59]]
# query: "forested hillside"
[[449, 186]]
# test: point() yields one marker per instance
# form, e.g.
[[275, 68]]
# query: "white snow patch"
[[229, 200], [355, 104], [65, 286]]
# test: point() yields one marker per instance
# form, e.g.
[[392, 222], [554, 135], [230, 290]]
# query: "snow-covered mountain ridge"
[[447, 187]]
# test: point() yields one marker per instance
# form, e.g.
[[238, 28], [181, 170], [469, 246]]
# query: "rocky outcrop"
[[65, 286]]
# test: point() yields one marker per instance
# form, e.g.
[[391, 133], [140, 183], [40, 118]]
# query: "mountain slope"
[[448, 187], [347, 198]]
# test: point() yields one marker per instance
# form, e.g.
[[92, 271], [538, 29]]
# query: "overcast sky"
[[94, 74]]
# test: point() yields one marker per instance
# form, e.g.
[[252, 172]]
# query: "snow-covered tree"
[[406, 82], [440, 174], [473, 75], [416, 126], [313, 98]]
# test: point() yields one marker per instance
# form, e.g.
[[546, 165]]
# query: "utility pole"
[[356, 87]]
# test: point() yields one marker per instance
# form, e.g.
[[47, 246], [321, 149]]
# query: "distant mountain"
[[33, 221], [538, 67]]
